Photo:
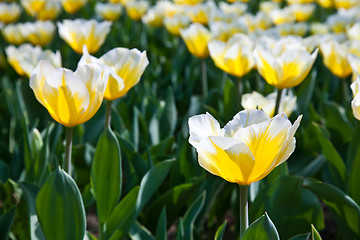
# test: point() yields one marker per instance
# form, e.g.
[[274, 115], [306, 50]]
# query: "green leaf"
[[262, 229], [180, 234], [220, 232], [231, 104], [117, 226], [343, 208], [60, 209], [190, 216], [6, 221], [123, 215], [139, 232], [353, 164], [336, 164], [304, 236], [168, 116], [4, 172], [106, 176], [30, 192], [161, 232], [292, 207], [314, 233], [151, 182]]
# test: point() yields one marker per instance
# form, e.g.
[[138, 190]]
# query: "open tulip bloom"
[[71, 98], [246, 150]]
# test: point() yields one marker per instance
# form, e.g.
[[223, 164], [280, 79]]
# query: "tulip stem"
[[108, 114], [239, 90], [204, 78], [278, 100], [68, 146], [244, 221]]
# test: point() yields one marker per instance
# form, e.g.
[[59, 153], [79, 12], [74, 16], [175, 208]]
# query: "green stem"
[[204, 78], [278, 100], [108, 114], [68, 146], [244, 221], [345, 90]]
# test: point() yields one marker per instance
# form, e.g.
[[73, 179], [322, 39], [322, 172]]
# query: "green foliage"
[[262, 229]]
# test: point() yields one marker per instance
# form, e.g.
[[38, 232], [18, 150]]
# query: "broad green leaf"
[[148, 186], [292, 207], [168, 115], [139, 232], [123, 215], [151, 182], [353, 164], [262, 229], [306, 90], [343, 208], [190, 216], [231, 103], [161, 231], [6, 221], [30, 192], [60, 209], [220, 232], [106, 176], [336, 164]]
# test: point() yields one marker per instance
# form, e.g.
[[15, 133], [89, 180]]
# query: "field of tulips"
[[183, 119]]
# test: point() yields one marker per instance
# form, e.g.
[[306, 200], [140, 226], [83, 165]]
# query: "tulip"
[[9, 12], [302, 11], [255, 100], [25, 58], [136, 9], [335, 57], [299, 29], [267, 6], [199, 13], [281, 16], [12, 34], [286, 64], [354, 61], [235, 56], [225, 30], [196, 38], [39, 32], [154, 16], [325, 3], [176, 23], [338, 23], [260, 21], [81, 32], [355, 103], [346, 3], [42, 10], [108, 11], [246, 150], [72, 6], [235, 8], [353, 32], [319, 28], [188, 2], [125, 68]]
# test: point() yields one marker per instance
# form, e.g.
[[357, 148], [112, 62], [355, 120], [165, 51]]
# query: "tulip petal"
[[202, 126], [243, 119]]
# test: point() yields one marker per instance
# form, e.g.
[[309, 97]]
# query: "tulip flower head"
[[71, 98], [235, 56], [9, 12], [235, 8], [188, 2], [136, 9], [286, 63], [72, 6], [108, 11], [247, 149], [346, 3], [25, 58], [12, 34], [335, 56], [255, 100], [33, 6], [353, 32], [175, 23], [39, 32], [125, 67], [281, 16], [355, 103], [80, 32], [196, 38], [42, 10], [302, 11], [155, 15]]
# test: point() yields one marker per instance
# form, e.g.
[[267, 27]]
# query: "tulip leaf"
[[60, 208], [231, 103], [306, 90], [336, 164], [123, 215], [161, 232], [4, 172], [190, 216], [292, 207], [106, 174], [353, 163], [139, 232], [168, 116], [262, 229], [220, 232], [180, 234], [343, 208], [30, 192], [304, 236], [315, 234], [117, 226], [6, 221]]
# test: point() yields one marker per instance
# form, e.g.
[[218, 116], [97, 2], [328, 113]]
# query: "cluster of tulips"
[[279, 42]]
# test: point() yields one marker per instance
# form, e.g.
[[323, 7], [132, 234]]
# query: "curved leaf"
[[190, 216], [60, 208], [262, 229], [161, 232], [220, 232]]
